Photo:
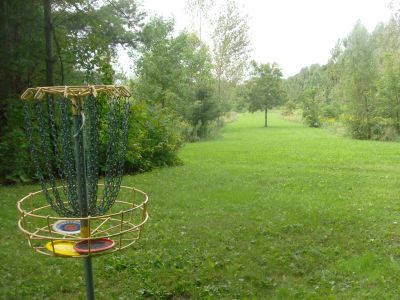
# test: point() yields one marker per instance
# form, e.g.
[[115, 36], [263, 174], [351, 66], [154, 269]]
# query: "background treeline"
[[182, 87], [358, 88]]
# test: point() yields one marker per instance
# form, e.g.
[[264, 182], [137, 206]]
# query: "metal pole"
[[81, 188]]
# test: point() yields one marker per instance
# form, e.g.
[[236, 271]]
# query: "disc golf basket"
[[74, 215]]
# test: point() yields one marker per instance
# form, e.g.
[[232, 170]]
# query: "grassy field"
[[285, 212]]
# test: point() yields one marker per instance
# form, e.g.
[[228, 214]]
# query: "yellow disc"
[[62, 248]]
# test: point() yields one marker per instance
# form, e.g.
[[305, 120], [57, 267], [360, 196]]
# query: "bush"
[[155, 136], [311, 108], [204, 113], [381, 129], [311, 114], [331, 111], [289, 108], [154, 139], [15, 162]]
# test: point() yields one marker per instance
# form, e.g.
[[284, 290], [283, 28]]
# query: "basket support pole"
[[81, 188]]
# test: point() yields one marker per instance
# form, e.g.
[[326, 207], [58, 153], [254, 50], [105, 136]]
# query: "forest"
[[358, 88]]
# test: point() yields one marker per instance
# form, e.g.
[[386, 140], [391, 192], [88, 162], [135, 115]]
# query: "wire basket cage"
[[70, 129], [121, 225]]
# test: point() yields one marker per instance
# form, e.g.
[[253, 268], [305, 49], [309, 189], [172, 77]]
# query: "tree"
[[78, 40], [184, 83], [200, 9], [87, 34], [231, 46], [48, 34], [388, 86], [359, 81], [265, 88], [311, 107]]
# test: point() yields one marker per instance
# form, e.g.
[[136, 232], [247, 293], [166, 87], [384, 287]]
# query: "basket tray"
[[52, 235]]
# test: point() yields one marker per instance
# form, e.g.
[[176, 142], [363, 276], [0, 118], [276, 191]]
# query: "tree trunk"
[[5, 78], [266, 117], [48, 35], [367, 117], [397, 113], [59, 58], [219, 89]]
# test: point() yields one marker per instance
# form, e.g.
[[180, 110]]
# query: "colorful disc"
[[62, 248], [96, 245], [67, 226]]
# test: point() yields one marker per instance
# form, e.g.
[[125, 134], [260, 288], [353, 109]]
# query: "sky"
[[292, 33]]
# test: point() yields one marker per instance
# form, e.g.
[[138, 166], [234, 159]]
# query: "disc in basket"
[[67, 226], [96, 245], [62, 248]]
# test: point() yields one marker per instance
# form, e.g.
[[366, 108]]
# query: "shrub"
[[289, 108], [331, 111], [155, 136], [15, 162], [154, 139], [311, 108]]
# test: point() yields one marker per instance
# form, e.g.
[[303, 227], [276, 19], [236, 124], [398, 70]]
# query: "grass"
[[285, 212]]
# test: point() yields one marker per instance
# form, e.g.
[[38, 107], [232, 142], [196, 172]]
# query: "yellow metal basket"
[[122, 225]]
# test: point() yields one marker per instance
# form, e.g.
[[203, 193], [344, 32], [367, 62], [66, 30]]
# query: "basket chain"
[[50, 135]]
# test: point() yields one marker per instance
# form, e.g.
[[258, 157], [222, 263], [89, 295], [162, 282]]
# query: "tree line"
[[358, 88]]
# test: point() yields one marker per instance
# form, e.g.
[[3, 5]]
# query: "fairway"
[[284, 212]]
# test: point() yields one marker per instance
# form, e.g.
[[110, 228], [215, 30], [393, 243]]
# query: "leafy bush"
[[358, 127], [331, 111], [289, 108], [311, 108], [15, 162], [377, 128], [154, 138]]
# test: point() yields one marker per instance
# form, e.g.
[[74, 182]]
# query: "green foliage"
[[331, 111], [15, 160], [231, 48], [265, 88], [359, 77], [289, 108], [86, 34], [359, 85], [155, 136], [311, 108], [388, 86], [184, 83]]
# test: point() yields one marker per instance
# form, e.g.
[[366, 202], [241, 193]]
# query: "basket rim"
[[120, 226], [31, 214], [74, 91]]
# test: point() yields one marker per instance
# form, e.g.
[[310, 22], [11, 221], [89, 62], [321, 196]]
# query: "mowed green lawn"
[[285, 212]]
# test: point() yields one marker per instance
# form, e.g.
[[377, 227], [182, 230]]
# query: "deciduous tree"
[[265, 88]]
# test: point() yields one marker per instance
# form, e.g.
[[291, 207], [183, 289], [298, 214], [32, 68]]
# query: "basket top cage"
[[68, 138], [75, 91]]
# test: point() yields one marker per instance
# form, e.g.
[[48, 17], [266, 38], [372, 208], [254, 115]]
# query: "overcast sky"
[[293, 33]]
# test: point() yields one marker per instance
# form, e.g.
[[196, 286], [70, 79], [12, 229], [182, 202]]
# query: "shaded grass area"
[[285, 212]]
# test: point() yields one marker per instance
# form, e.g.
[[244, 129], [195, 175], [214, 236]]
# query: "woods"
[[358, 87], [181, 88]]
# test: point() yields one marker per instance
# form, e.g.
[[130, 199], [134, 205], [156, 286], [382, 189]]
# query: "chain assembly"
[[58, 118]]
